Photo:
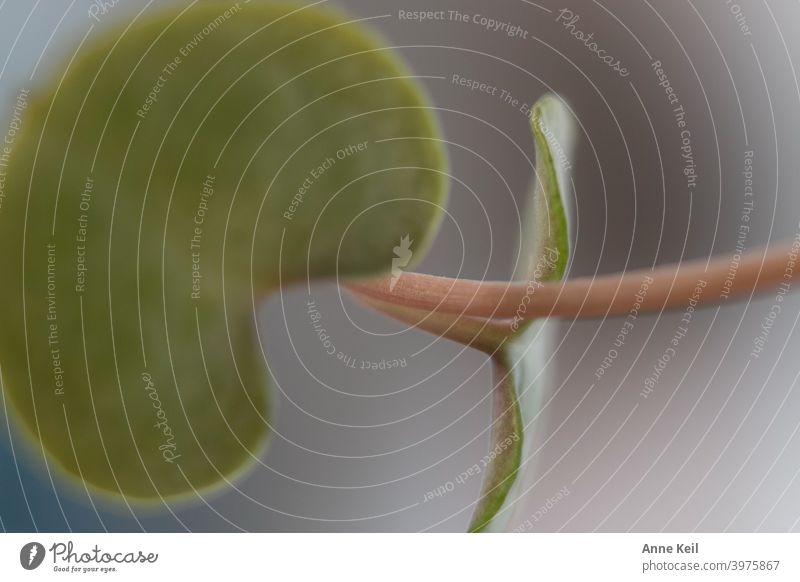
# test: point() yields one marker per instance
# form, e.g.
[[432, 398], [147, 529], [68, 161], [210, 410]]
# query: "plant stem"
[[482, 334], [667, 287]]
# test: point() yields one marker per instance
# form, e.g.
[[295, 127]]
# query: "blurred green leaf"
[[179, 171]]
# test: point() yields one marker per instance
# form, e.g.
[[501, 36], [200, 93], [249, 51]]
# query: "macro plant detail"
[[147, 219]]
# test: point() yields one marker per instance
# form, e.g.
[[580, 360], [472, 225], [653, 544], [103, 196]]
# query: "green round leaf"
[[164, 180]]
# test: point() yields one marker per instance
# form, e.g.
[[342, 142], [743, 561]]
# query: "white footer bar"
[[401, 557]]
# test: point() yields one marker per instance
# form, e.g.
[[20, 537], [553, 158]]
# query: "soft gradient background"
[[714, 448]]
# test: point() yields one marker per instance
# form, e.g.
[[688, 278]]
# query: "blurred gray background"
[[714, 447]]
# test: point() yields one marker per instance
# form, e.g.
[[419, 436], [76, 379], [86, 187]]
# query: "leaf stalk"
[[666, 287]]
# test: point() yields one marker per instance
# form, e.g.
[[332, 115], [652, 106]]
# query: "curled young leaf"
[[546, 237], [519, 361]]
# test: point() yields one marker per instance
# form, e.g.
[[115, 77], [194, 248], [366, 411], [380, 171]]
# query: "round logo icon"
[[31, 555]]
